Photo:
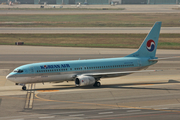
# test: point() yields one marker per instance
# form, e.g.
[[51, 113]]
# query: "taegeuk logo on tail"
[[150, 45]]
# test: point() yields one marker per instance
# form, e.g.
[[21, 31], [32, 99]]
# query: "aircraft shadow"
[[145, 85]]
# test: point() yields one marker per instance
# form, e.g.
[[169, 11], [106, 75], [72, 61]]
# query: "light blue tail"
[[149, 45]]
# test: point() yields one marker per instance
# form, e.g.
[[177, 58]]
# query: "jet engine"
[[84, 80]]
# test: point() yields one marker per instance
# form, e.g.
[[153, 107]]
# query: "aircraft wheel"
[[98, 84], [24, 88]]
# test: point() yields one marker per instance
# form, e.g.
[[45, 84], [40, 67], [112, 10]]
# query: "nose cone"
[[10, 77]]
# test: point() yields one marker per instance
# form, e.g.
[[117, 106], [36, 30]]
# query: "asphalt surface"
[[138, 96], [79, 30]]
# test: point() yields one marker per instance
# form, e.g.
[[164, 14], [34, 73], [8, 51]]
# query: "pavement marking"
[[143, 84], [132, 97], [133, 110], [126, 108], [18, 119], [84, 111], [47, 90], [164, 105], [46, 117], [11, 117], [106, 105], [76, 115], [105, 113], [134, 116], [125, 114]]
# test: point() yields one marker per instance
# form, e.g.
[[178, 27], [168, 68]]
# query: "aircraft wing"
[[115, 73]]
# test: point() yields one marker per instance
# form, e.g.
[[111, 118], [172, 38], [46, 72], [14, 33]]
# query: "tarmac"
[[153, 95]]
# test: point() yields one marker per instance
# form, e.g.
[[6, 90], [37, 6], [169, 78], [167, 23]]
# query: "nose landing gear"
[[24, 87]]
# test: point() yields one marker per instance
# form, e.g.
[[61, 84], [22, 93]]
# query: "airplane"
[[90, 71]]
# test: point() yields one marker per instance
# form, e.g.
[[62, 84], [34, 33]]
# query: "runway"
[[139, 96], [83, 30]]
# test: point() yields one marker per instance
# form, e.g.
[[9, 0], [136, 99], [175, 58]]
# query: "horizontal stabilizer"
[[164, 58]]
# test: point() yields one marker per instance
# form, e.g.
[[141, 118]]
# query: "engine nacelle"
[[84, 80]]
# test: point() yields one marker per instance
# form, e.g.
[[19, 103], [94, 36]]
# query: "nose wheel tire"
[[97, 84], [24, 88]]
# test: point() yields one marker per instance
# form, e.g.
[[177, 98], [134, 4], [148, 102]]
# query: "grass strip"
[[166, 41], [90, 20]]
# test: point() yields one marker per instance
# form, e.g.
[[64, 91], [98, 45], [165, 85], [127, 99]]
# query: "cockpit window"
[[18, 71], [15, 71]]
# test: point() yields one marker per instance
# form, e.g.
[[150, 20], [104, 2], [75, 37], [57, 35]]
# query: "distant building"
[[93, 2]]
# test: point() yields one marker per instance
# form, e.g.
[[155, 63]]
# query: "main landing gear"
[[97, 84]]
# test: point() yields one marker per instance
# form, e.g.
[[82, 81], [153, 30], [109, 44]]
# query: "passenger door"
[[31, 72]]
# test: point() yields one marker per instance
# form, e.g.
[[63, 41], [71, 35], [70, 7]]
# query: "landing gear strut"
[[97, 84], [23, 85]]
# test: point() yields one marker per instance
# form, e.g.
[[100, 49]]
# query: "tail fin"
[[149, 45]]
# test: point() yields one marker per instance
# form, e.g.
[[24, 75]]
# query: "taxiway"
[[154, 95]]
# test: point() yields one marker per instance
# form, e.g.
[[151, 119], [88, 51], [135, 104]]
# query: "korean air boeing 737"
[[89, 72]]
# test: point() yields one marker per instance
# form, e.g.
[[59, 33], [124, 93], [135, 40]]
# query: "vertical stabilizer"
[[149, 45]]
